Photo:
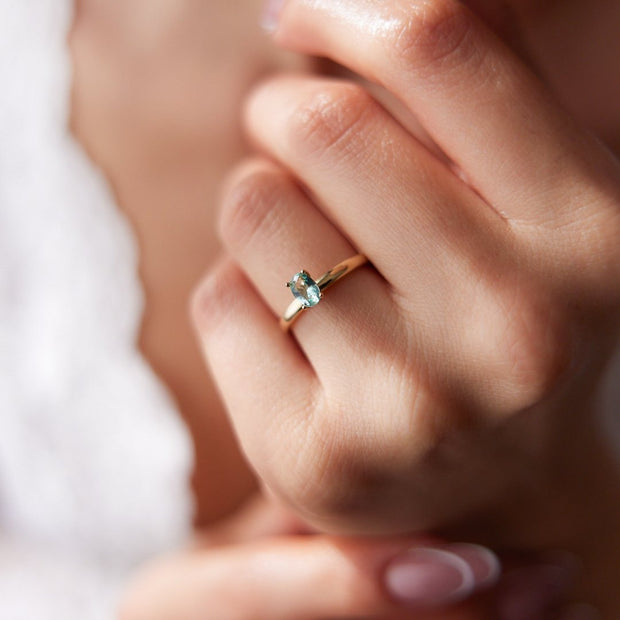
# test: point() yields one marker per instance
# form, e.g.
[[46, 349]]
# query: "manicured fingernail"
[[271, 15], [428, 577], [482, 561], [532, 592]]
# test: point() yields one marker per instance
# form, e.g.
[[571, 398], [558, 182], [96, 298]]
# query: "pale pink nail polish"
[[482, 561], [428, 577], [271, 15]]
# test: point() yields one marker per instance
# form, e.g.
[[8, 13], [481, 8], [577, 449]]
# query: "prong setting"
[[305, 289]]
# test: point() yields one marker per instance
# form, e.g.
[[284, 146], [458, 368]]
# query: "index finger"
[[477, 100]]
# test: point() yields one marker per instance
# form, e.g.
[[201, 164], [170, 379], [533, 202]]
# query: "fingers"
[[481, 105], [273, 231], [399, 205], [262, 375], [314, 577], [291, 427], [448, 257]]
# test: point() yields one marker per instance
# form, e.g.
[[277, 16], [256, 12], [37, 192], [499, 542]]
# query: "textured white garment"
[[94, 460]]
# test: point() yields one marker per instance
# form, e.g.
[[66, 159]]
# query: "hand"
[[256, 566], [455, 377], [263, 564]]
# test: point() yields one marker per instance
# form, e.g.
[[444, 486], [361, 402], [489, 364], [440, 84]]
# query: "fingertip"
[[484, 564], [442, 575], [211, 298], [439, 575]]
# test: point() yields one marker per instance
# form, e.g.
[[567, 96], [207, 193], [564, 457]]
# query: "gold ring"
[[309, 292]]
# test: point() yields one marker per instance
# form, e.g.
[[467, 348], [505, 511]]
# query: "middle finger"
[[399, 205]]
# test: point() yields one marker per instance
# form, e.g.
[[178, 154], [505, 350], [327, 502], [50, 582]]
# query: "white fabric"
[[94, 460]]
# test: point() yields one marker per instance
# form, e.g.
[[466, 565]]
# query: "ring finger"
[[440, 247], [273, 230]]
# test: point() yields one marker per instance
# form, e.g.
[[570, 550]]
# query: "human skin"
[[139, 188], [452, 387], [165, 156], [257, 566], [157, 95]]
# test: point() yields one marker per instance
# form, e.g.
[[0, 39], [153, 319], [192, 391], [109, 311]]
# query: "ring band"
[[308, 292]]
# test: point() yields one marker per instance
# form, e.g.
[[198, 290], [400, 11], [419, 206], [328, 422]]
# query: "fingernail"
[[482, 561], [428, 577], [271, 15], [532, 592]]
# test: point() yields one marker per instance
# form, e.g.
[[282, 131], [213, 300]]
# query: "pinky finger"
[[257, 367]]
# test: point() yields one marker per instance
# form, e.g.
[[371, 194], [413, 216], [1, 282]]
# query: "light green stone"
[[305, 289]]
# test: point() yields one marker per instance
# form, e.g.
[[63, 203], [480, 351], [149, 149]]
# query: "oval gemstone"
[[305, 289]]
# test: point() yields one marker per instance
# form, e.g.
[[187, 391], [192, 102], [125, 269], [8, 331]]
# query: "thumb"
[[312, 577]]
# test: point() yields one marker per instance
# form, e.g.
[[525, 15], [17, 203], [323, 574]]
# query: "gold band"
[[329, 278]]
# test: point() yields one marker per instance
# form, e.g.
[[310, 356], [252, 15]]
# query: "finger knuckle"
[[334, 480], [432, 35], [211, 299], [326, 120], [534, 348], [322, 491], [249, 204]]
